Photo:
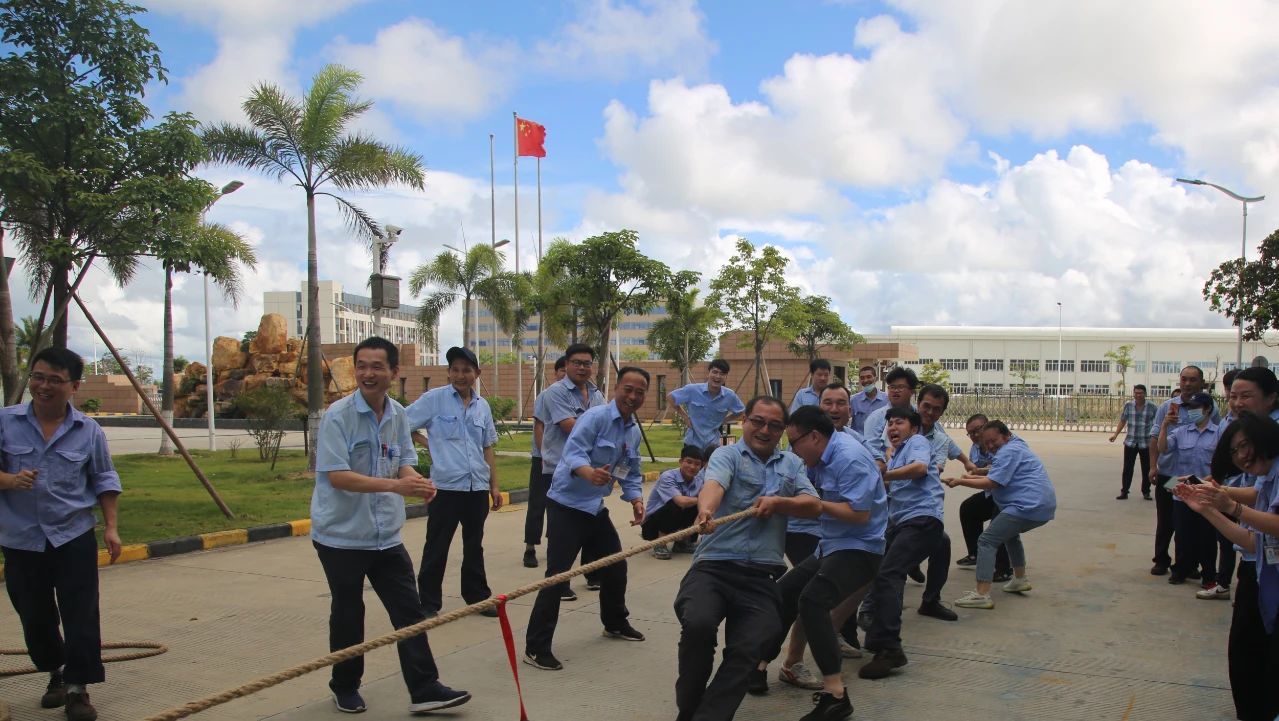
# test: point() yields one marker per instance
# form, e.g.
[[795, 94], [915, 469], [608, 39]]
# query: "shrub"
[[267, 409], [91, 405]]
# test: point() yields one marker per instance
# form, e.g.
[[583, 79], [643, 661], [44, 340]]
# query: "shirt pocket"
[[448, 428], [18, 457], [361, 455], [603, 453], [66, 468], [476, 428]]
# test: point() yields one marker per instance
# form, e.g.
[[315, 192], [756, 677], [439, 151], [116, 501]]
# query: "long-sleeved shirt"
[[601, 437], [456, 435], [562, 401]]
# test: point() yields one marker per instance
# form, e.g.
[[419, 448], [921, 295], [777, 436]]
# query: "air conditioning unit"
[[386, 291]]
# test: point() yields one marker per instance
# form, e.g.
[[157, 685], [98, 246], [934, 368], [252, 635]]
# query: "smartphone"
[[1192, 480]]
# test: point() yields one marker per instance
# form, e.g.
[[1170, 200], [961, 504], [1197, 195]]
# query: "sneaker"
[[625, 633], [55, 695], [967, 562], [916, 575], [830, 708], [883, 664], [1214, 592], [848, 650], [79, 708], [972, 599], [757, 682], [1017, 585], [530, 558], [592, 584], [687, 545], [568, 595], [800, 677], [349, 702], [662, 552], [1159, 569], [545, 661], [438, 696], [935, 609], [1002, 576]]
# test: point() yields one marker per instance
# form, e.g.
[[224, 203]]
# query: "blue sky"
[[920, 163]]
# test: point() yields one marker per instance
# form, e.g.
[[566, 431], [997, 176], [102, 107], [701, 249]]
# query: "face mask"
[[869, 387], [1194, 415]]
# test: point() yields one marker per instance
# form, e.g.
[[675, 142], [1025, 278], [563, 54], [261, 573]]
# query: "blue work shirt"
[[862, 405], [74, 469], [744, 478], [847, 473], [875, 431], [813, 526], [978, 456], [671, 484], [352, 438], [805, 396], [915, 497], [601, 437], [1267, 573], [1190, 448], [944, 449], [1164, 460], [1022, 488], [456, 436], [539, 408], [561, 401], [707, 412]]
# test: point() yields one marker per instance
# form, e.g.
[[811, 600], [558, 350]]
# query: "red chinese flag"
[[532, 138]]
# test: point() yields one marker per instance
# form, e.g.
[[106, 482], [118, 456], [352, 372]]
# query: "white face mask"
[[869, 387]]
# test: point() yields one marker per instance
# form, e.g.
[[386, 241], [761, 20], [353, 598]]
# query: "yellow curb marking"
[[217, 539], [302, 527]]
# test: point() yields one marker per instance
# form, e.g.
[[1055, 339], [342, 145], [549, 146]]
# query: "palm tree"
[[686, 334], [477, 275], [24, 338], [306, 140]]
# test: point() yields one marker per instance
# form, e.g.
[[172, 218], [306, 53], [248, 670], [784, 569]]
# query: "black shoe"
[[489, 613], [568, 595], [1002, 576], [936, 610], [56, 695], [530, 558], [349, 702], [757, 682], [626, 633], [435, 697], [545, 661], [1193, 575], [79, 708], [1146, 497], [592, 584], [830, 708], [1121, 497], [1159, 569], [883, 664], [916, 575], [1176, 579], [967, 561]]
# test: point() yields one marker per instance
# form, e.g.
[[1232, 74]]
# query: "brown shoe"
[[79, 708], [56, 694]]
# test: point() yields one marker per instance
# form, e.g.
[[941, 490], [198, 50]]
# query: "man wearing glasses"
[[56, 468], [732, 577], [705, 407], [901, 384]]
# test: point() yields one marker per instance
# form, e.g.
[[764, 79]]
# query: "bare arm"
[[409, 483], [708, 502], [538, 429], [801, 506], [110, 530], [490, 457], [844, 512], [685, 501], [1122, 422], [908, 472], [981, 483]]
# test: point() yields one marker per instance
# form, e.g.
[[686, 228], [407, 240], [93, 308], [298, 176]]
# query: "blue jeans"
[[1004, 529]]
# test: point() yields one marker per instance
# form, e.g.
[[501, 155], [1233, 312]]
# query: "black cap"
[[1198, 400], [464, 353]]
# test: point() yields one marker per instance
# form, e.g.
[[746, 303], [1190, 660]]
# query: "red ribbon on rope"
[[509, 639]]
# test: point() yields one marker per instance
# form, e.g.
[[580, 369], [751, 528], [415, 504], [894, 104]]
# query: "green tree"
[[1024, 371], [813, 325], [180, 363], [1247, 292], [1122, 358], [934, 373], [306, 141], [246, 339], [107, 365], [686, 334], [607, 276], [25, 338], [477, 275], [267, 409], [752, 291], [633, 355]]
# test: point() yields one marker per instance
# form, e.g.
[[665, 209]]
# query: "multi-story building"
[[348, 318], [629, 338]]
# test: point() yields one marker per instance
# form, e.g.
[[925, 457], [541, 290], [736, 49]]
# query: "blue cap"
[[1198, 400]]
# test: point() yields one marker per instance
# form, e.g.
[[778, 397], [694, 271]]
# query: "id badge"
[[1271, 551], [621, 469]]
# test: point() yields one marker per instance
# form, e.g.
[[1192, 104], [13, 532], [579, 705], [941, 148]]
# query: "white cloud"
[[617, 39]]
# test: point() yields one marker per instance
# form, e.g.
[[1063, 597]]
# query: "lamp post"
[[1243, 250], [1058, 394], [227, 189]]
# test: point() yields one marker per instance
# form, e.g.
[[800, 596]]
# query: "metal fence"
[[1039, 412]]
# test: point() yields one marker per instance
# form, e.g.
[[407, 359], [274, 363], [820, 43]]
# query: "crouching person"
[[672, 504]]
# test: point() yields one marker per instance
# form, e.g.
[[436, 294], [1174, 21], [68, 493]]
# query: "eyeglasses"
[[792, 442], [772, 426], [898, 387], [54, 381], [581, 363]]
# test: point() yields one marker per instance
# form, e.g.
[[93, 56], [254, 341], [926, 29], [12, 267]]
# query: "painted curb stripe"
[[131, 552], [218, 539]]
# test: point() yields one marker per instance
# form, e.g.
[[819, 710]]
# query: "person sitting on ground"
[[672, 504]]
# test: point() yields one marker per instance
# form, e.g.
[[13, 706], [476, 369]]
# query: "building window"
[[988, 387], [1094, 366], [1165, 366], [1094, 389], [1066, 366], [1159, 392], [954, 364], [1139, 366], [661, 393], [920, 362], [989, 364], [1203, 364], [1023, 365], [958, 387], [1064, 389]]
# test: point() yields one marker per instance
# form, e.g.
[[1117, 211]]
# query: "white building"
[[348, 318], [1070, 360]]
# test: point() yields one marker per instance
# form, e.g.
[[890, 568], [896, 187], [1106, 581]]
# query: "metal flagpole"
[[493, 244], [541, 333]]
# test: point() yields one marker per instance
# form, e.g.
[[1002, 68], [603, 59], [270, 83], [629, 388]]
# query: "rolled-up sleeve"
[[408, 454], [490, 428], [577, 449], [101, 471], [633, 486]]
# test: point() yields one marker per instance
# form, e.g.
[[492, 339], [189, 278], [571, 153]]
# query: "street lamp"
[[1058, 393], [1243, 251], [227, 189]]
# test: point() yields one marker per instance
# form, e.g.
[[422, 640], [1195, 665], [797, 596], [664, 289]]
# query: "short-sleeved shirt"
[[1022, 488], [1138, 422], [978, 456], [456, 436], [601, 437], [847, 473], [875, 431], [862, 405], [562, 401], [1267, 573], [706, 411], [916, 497], [745, 477], [669, 485], [1190, 448], [74, 469], [805, 396], [539, 408], [944, 449], [1165, 459], [352, 438]]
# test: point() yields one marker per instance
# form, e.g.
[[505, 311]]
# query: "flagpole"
[[515, 171], [541, 337]]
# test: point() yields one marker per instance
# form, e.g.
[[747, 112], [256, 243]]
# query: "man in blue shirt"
[[901, 383], [363, 471], [704, 407], [811, 395], [672, 504], [460, 435], [538, 484], [602, 449], [734, 567], [1185, 449], [980, 507], [868, 399], [56, 467], [1191, 381], [1137, 416]]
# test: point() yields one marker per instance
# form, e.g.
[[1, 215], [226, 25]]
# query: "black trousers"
[[743, 597], [1163, 522], [1131, 454], [974, 512], [1252, 653], [1196, 541], [816, 586], [668, 519], [907, 544], [538, 485], [568, 532], [390, 571], [447, 511], [800, 546], [59, 586], [1226, 558]]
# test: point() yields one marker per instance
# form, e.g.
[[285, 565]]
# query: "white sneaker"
[[847, 650], [972, 599], [800, 677], [1216, 591], [1017, 585]]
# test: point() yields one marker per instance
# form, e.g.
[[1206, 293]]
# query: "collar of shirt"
[[72, 418], [745, 450], [362, 405], [569, 385], [615, 414], [475, 396]]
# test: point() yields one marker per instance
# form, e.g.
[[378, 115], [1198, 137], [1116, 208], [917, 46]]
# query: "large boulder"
[[194, 371], [226, 354], [263, 364], [342, 370], [227, 390], [273, 335]]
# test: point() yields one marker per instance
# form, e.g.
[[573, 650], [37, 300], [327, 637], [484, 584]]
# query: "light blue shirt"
[[456, 437], [1165, 459], [875, 431], [813, 526], [915, 497], [600, 438], [706, 411], [561, 401], [1191, 448], [1267, 573], [978, 456], [862, 405], [1022, 488], [539, 408], [352, 439], [74, 469], [944, 449], [744, 478], [671, 484], [846, 473], [805, 396]]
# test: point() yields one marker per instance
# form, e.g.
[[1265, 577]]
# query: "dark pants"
[[907, 544], [800, 546], [1196, 541], [1252, 653], [938, 568], [1225, 560], [974, 512], [447, 511], [1163, 521], [816, 586], [668, 519], [59, 586], [538, 485], [568, 532], [390, 571], [746, 598], [1131, 454]]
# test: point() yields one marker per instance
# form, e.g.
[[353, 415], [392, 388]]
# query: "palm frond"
[[359, 162], [249, 148], [429, 312], [359, 222], [444, 271], [329, 107]]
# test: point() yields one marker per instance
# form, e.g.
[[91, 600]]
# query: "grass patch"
[[666, 440]]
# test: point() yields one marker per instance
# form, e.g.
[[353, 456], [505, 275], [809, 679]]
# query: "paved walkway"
[[1098, 638]]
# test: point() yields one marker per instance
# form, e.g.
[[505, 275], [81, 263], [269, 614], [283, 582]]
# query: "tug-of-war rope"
[[154, 649], [497, 602]]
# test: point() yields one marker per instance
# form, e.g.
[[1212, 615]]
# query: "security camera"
[[393, 231]]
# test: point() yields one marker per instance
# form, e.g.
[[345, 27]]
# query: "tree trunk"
[[759, 363], [8, 341], [314, 354], [683, 372], [61, 297], [466, 325], [601, 360], [166, 366]]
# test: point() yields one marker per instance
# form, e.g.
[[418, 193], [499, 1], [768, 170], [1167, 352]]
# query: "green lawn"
[[666, 440]]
